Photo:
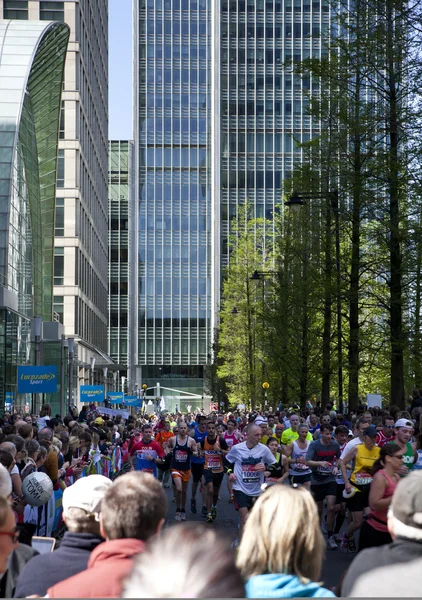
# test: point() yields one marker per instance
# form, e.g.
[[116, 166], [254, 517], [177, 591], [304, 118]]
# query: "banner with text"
[[113, 412], [37, 380], [91, 393], [115, 397]]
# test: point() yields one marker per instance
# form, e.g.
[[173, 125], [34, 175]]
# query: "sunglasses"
[[14, 535], [389, 426], [399, 456]]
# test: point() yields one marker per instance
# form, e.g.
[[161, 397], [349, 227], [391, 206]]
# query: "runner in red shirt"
[[148, 452], [386, 435]]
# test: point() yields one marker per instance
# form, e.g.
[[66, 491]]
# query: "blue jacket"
[[284, 586]]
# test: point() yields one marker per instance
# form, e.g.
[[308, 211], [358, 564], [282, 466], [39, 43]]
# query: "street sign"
[[37, 380], [92, 393]]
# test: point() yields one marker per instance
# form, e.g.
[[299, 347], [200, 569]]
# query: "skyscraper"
[[81, 220], [122, 251], [173, 147], [218, 112]]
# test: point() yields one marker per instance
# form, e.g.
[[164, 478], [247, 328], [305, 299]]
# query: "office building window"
[[52, 11], [60, 169], [58, 266], [15, 9], [58, 308], [59, 229], [61, 130]]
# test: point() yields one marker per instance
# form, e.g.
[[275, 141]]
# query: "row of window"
[[18, 9]]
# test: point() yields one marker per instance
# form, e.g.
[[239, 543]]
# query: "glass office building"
[[32, 58], [218, 114], [174, 186]]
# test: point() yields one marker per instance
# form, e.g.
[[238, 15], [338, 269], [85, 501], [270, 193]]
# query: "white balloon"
[[37, 488]]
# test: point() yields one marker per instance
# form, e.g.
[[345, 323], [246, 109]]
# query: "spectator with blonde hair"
[[282, 547], [195, 573]]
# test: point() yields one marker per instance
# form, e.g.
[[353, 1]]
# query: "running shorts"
[[215, 478], [300, 479], [241, 500], [183, 475], [197, 470], [323, 490]]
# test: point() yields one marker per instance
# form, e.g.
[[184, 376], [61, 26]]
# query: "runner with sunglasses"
[[386, 434], [374, 531]]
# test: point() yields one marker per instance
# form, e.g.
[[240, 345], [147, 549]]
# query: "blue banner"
[[9, 400], [37, 380], [132, 401], [92, 393], [115, 397]]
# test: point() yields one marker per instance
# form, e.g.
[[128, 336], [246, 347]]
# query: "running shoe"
[[193, 505], [209, 518], [178, 516], [337, 538], [231, 499], [204, 511], [182, 515], [352, 545], [344, 546], [214, 512], [331, 543]]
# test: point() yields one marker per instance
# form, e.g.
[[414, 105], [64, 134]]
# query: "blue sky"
[[120, 69]]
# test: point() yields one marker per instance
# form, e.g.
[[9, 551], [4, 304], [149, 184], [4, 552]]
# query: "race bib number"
[[181, 456], [300, 467], [363, 478], [325, 470], [249, 472], [213, 460]]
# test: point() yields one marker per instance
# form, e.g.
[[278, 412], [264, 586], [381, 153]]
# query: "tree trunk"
[[396, 308], [326, 336]]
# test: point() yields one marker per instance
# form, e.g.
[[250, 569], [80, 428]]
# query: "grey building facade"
[[218, 111], [81, 219]]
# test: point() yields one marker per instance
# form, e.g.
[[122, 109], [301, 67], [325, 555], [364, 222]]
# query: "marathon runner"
[[231, 437], [299, 472], [182, 447], [248, 462], [404, 431], [291, 434], [279, 471], [197, 463], [148, 452], [387, 432], [341, 434], [213, 449], [162, 437], [321, 457], [363, 457]]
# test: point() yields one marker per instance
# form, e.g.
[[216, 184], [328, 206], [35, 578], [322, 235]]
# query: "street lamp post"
[[92, 369], [37, 335], [71, 347], [105, 371], [295, 202]]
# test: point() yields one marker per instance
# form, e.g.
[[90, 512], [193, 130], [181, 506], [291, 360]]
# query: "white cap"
[[403, 423], [260, 420], [86, 493]]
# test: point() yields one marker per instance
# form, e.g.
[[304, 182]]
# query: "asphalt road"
[[335, 563]]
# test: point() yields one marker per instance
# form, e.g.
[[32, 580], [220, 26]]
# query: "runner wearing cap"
[[363, 457], [404, 431]]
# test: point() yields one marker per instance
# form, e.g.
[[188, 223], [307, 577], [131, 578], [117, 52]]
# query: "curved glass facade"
[[32, 59]]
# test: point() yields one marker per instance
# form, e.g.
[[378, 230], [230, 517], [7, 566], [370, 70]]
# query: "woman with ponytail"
[[374, 531]]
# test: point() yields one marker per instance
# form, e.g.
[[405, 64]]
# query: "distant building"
[[32, 58], [123, 301]]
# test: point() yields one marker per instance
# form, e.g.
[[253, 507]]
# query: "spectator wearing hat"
[[81, 507], [405, 527], [132, 511]]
